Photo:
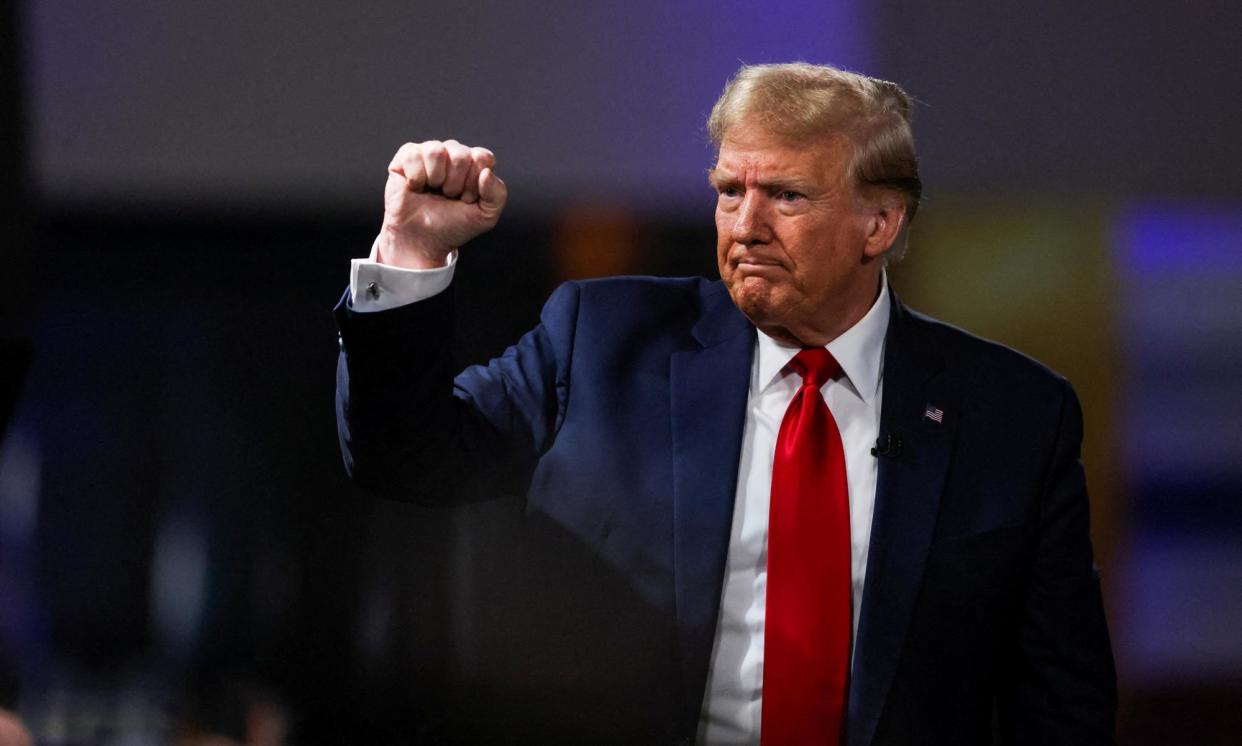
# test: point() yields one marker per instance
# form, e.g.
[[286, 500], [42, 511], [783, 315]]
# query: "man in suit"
[[797, 511]]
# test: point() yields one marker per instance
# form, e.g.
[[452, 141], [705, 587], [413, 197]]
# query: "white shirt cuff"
[[379, 287]]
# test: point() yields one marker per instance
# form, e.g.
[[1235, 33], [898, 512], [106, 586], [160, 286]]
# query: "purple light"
[[1180, 238]]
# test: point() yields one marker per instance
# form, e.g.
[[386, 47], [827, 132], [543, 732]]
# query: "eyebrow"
[[718, 177]]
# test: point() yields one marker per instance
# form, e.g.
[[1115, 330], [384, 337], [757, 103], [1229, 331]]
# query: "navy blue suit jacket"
[[619, 421]]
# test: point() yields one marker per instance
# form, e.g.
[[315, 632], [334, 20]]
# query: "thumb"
[[492, 192]]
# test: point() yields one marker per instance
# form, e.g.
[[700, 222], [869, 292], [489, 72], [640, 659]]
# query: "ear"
[[886, 216]]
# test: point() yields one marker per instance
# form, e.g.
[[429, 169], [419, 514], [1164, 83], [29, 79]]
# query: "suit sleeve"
[[411, 431], [1062, 687]]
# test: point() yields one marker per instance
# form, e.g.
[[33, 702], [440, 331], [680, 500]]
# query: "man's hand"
[[439, 196], [12, 732]]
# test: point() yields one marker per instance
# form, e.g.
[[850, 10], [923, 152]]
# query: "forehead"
[[752, 152]]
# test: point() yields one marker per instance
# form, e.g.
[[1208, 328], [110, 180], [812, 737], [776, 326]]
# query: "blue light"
[[1182, 238]]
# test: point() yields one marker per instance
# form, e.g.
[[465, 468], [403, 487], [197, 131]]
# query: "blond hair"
[[801, 102]]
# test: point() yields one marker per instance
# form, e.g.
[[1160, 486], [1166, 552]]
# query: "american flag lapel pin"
[[935, 414]]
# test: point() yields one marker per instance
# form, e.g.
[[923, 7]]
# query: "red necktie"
[[806, 637]]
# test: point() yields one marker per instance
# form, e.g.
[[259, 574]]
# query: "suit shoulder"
[[987, 361]]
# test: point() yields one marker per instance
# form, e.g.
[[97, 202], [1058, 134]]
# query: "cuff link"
[[373, 291]]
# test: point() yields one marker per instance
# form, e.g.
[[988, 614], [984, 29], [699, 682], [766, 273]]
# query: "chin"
[[755, 297]]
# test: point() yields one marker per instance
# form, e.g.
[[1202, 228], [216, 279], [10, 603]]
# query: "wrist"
[[393, 249]]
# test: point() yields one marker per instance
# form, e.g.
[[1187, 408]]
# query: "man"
[[798, 511]]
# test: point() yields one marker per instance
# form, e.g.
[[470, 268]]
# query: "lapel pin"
[[935, 414]]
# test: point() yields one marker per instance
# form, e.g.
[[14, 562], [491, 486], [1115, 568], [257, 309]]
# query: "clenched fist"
[[439, 196]]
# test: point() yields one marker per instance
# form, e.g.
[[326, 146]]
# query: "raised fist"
[[439, 195]]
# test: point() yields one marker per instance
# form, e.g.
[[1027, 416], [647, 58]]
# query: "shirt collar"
[[859, 350]]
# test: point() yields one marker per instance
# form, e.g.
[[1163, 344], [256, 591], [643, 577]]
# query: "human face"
[[795, 245]]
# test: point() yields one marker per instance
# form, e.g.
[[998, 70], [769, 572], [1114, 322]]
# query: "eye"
[[729, 190], [790, 195]]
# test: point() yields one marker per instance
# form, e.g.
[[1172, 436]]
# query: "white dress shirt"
[[733, 701], [379, 287]]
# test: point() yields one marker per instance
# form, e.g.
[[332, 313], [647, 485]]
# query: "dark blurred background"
[[185, 182]]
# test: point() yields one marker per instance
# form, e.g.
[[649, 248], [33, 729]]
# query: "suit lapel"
[[907, 499], [709, 388]]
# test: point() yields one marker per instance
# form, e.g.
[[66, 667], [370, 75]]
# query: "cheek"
[[724, 226], [824, 253]]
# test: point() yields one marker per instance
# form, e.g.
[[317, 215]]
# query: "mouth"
[[758, 265], [742, 256]]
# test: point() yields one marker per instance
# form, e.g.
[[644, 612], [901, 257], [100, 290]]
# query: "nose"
[[751, 225]]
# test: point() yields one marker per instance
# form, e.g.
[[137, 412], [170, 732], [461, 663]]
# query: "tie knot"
[[817, 366]]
